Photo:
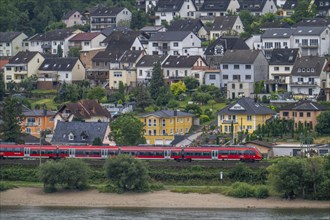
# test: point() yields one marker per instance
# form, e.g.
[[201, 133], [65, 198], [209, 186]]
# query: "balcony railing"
[[164, 47], [303, 84], [308, 45], [31, 124]]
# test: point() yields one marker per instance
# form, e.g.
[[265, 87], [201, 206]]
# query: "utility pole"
[[40, 147]]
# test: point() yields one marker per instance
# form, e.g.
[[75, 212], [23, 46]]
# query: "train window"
[[49, 152], [232, 152], [206, 154], [3, 149], [34, 152], [223, 152], [239, 152], [96, 152], [249, 152], [175, 153]]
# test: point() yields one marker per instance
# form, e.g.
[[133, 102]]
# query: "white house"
[[11, 43], [258, 7], [87, 41], [145, 66], [218, 8]]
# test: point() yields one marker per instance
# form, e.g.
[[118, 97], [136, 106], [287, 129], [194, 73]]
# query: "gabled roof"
[[252, 5], [85, 36], [69, 13], [283, 56], [87, 130], [193, 25], [26, 112], [168, 114], [215, 5], [180, 61], [224, 22], [9, 36], [119, 40], [155, 28], [131, 56], [246, 106], [309, 30], [150, 60], [22, 57], [227, 43], [277, 33], [108, 56], [106, 11], [169, 5], [58, 34], [305, 105], [240, 56], [170, 36], [111, 29], [308, 66], [58, 64], [290, 4], [313, 22], [276, 24]]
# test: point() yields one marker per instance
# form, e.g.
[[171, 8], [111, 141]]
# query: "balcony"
[[98, 74], [304, 84], [164, 48], [30, 124], [308, 45], [46, 46], [110, 21], [275, 81], [229, 121]]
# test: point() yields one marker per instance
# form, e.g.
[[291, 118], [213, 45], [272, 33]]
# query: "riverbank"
[[29, 196]]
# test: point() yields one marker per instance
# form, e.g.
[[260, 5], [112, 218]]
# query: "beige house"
[[266, 149], [72, 18], [22, 65], [11, 43], [226, 25]]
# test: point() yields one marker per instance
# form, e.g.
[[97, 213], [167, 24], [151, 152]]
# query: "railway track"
[[151, 163]]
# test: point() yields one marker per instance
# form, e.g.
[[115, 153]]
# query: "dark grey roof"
[[108, 56], [119, 40], [155, 28], [309, 30], [260, 143], [68, 14], [305, 105], [193, 25], [8, 36], [131, 56], [224, 22], [109, 30], [90, 130], [22, 57], [37, 112], [106, 11], [169, 113], [277, 33], [308, 66], [240, 56], [58, 64], [150, 60], [252, 5], [313, 22], [290, 4], [283, 56], [170, 36], [227, 43], [180, 61], [321, 5], [58, 34], [246, 106], [169, 5], [271, 25], [215, 5]]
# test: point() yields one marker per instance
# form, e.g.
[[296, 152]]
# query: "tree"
[[59, 51], [323, 123], [165, 95], [143, 98], [172, 104], [2, 87], [29, 83], [303, 10], [55, 25], [127, 173], [178, 88], [74, 52], [191, 82], [121, 90], [96, 93], [157, 81], [11, 114], [194, 109], [97, 141], [127, 130]]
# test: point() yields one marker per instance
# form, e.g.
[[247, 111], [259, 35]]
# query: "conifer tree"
[[157, 81]]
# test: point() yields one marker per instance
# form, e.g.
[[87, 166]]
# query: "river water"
[[51, 213]]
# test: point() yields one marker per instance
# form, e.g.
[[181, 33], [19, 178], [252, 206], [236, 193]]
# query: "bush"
[[242, 190], [261, 192], [5, 186], [204, 118]]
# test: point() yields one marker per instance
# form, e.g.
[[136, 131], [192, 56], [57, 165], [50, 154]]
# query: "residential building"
[[162, 126], [308, 77], [304, 112], [109, 30], [265, 148], [11, 43], [151, 30], [83, 110], [258, 7], [240, 70], [56, 71], [22, 65], [280, 67], [192, 25], [313, 22], [212, 78], [167, 10], [226, 25], [104, 17], [218, 8], [72, 18], [323, 7], [327, 81], [145, 66], [175, 68], [81, 133], [125, 40], [174, 43], [87, 41], [86, 57], [288, 8], [244, 115]]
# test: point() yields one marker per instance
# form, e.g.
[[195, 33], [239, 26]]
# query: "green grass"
[[39, 91], [48, 102], [199, 189]]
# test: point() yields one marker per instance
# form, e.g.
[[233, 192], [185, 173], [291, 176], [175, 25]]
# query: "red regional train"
[[241, 153]]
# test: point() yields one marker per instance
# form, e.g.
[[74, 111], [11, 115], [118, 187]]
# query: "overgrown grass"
[[39, 91], [322, 140], [6, 185], [199, 189], [49, 102]]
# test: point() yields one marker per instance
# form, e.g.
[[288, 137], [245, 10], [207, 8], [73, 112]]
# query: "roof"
[[107, 11], [240, 56], [314, 22], [29, 139], [309, 30], [168, 114], [68, 14], [327, 66], [170, 36], [276, 24], [121, 40], [88, 130], [305, 105], [227, 43], [58, 64], [180, 61], [224, 22], [152, 28], [109, 30], [308, 66], [290, 4], [215, 5], [246, 106], [22, 57], [252, 5], [260, 143], [58, 34], [131, 56], [9, 36], [85, 36], [283, 56], [169, 5], [150, 60], [193, 25], [277, 33], [37, 112], [108, 56]]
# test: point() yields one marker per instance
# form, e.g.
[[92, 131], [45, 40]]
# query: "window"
[[211, 77], [71, 137], [236, 67], [297, 41], [249, 127], [149, 122], [233, 86], [226, 128], [277, 44], [236, 77], [248, 77], [8, 77], [314, 42], [249, 117], [285, 114], [188, 119], [185, 72], [175, 44], [66, 75], [155, 44], [155, 132], [31, 121], [241, 86], [225, 76], [171, 131], [276, 68], [269, 45], [304, 42], [28, 130], [149, 132], [247, 67], [155, 122], [285, 44], [164, 132], [164, 122], [301, 114], [167, 72], [140, 72], [86, 43], [308, 114], [225, 66], [287, 68]]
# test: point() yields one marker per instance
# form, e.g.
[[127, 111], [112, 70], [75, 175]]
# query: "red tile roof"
[[85, 36]]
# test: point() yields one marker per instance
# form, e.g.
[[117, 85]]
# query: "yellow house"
[[245, 114], [161, 126]]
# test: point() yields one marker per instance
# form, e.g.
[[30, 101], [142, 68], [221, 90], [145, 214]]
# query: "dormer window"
[[312, 70], [299, 70], [71, 137]]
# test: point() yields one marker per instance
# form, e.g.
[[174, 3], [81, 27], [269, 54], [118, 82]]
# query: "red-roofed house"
[[87, 41]]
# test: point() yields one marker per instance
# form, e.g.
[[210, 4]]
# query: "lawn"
[[51, 105], [39, 91]]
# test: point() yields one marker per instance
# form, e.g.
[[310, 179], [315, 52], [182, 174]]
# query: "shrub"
[[204, 118], [5, 186], [242, 190], [261, 192]]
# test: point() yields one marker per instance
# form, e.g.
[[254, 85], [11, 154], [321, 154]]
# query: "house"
[[288, 8], [145, 66], [86, 41], [49, 42], [81, 133], [258, 7], [212, 77], [22, 65], [161, 126], [323, 7], [226, 25], [55, 71], [244, 115], [125, 40], [167, 10], [265, 148], [313, 22], [280, 67], [174, 43], [83, 110], [327, 81], [240, 70], [87, 55], [36, 121], [304, 112], [214, 8], [313, 41], [175, 68], [307, 77], [104, 17], [72, 18], [192, 25], [11, 43]]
